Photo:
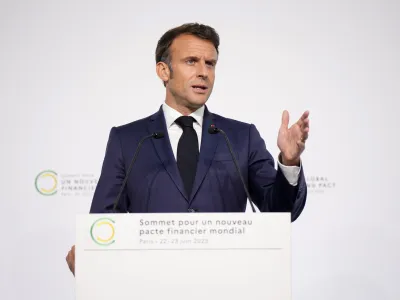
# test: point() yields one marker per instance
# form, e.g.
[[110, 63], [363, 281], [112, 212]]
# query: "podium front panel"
[[183, 256]]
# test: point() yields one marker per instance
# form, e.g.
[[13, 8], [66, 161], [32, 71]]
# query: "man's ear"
[[163, 71]]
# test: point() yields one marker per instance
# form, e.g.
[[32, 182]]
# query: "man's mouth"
[[200, 88]]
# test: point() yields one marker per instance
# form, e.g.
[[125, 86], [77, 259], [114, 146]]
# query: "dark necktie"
[[188, 152]]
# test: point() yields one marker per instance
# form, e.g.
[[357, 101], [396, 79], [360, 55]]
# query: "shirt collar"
[[171, 115]]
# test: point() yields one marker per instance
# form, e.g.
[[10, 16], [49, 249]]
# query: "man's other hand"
[[71, 259]]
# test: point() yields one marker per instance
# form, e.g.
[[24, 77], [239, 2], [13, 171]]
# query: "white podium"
[[183, 256]]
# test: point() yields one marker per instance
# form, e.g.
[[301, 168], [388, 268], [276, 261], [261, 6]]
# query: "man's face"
[[193, 63]]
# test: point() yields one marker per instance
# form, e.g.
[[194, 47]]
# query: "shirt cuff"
[[291, 173]]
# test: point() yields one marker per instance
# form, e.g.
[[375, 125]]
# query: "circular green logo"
[[103, 231], [46, 183]]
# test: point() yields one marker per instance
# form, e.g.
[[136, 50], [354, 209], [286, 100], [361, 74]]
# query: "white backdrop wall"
[[70, 70]]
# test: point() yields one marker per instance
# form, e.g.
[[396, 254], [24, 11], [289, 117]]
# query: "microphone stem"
[[129, 170], [237, 168]]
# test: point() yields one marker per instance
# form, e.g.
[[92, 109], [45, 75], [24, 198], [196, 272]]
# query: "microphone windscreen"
[[158, 135], [212, 130]]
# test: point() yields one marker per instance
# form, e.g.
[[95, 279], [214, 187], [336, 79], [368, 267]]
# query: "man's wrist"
[[289, 162]]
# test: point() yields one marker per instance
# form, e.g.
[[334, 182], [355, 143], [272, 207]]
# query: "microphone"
[[214, 130], [155, 135]]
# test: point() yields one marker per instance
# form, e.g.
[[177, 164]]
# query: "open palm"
[[291, 141]]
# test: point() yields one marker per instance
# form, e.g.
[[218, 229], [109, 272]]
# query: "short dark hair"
[[202, 31]]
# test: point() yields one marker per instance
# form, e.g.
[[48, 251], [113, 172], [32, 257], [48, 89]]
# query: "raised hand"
[[291, 141]]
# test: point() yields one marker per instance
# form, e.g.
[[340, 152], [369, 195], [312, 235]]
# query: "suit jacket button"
[[192, 210]]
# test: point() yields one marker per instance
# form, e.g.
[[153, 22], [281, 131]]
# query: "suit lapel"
[[209, 144], [164, 150]]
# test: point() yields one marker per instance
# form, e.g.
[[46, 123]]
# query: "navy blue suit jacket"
[[155, 185]]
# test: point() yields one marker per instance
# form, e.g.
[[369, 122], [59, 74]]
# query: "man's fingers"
[[304, 134], [304, 129], [303, 119]]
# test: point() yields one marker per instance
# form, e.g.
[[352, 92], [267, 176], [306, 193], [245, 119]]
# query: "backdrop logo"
[[46, 182], [103, 231], [320, 184], [77, 184]]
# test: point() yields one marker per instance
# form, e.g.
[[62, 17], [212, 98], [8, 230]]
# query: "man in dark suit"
[[190, 169]]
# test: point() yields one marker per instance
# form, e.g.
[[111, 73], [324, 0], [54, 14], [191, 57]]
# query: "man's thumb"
[[285, 119]]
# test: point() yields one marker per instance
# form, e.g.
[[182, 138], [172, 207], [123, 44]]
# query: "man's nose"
[[202, 70]]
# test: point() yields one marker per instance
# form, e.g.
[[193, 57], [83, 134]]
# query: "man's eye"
[[190, 61]]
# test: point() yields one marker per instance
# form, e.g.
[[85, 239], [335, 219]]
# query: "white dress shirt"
[[175, 131]]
